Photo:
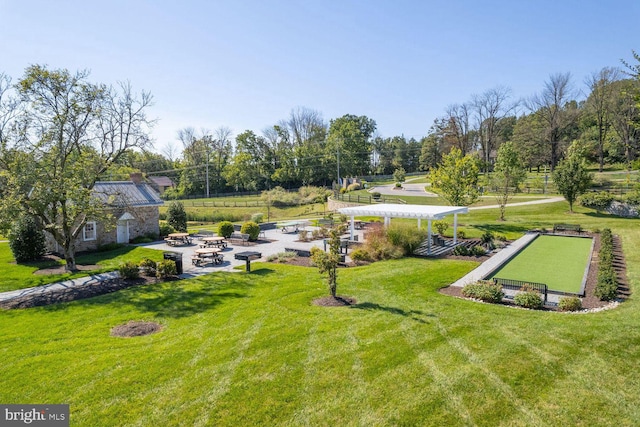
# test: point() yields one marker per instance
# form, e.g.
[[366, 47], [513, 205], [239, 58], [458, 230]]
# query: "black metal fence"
[[517, 285]]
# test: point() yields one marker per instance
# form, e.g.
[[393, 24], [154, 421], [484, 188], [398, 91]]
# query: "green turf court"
[[558, 261]]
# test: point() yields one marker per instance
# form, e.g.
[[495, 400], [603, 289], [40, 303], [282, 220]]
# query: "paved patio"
[[273, 242]]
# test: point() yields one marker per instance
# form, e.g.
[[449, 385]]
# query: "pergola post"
[[429, 236], [387, 220], [455, 228], [419, 219]]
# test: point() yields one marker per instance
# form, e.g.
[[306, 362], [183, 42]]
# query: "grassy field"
[[20, 276], [251, 349], [558, 262]]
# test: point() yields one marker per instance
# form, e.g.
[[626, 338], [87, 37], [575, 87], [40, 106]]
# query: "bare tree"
[[458, 128], [550, 106], [304, 124], [488, 109], [599, 104]]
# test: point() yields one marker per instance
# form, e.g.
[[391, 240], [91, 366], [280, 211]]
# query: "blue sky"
[[247, 64]]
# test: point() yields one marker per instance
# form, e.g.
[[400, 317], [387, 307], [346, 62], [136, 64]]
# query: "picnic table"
[[206, 255], [175, 239], [213, 241], [294, 226]]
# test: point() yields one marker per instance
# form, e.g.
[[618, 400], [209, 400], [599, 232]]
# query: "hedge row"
[[607, 286]]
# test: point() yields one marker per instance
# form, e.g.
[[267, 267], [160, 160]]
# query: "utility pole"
[[338, 153], [207, 172]]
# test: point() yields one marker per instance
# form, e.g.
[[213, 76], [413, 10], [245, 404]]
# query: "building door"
[[123, 232]]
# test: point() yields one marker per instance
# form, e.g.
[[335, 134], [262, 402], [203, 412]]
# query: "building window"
[[89, 232]]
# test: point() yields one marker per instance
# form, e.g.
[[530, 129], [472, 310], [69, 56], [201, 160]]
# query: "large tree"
[[349, 140], [60, 138], [599, 105], [456, 179], [553, 107]]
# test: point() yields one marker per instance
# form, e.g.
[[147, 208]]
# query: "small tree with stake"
[[328, 262], [571, 176]]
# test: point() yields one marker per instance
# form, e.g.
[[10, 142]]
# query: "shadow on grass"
[[412, 314], [178, 299]]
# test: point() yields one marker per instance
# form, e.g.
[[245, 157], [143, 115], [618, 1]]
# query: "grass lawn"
[[559, 262], [20, 276], [250, 349]]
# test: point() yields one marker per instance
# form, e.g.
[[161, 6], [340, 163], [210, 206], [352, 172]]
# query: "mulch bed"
[[135, 328], [590, 301], [88, 290]]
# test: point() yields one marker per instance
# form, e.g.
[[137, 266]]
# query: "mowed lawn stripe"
[[557, 261]]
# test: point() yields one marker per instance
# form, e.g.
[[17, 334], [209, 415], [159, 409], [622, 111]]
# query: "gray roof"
[[161, 181], [126, 194]]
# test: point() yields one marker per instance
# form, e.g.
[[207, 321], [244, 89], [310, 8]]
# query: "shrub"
[[343, 190], [353, 187], [311, 194], [303, 235], [441, 226], [166, 229], [252, 229], [147, 238], [280, 197], [501, 237], [484, 291], [148, 267], [570, 304], [399, 175], [487, 237], [461, 234], [110, 247], [379, 246], [177, 216], [26, 240], [406, 237], [528, 298], [478, 251], [257, 217], [599, 200], [633, 198], [361, 255], [282, 256], [225, 229], [166, 268], [461, 251], [129, 270], [375, 195]]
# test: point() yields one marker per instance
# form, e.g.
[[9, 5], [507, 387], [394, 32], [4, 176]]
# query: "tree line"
[[305, 149]]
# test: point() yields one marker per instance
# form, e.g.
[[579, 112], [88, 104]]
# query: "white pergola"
[[419, 212]]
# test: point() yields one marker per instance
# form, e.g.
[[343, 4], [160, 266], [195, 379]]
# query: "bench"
[[299, 252], [244, 238], [567, 227]]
